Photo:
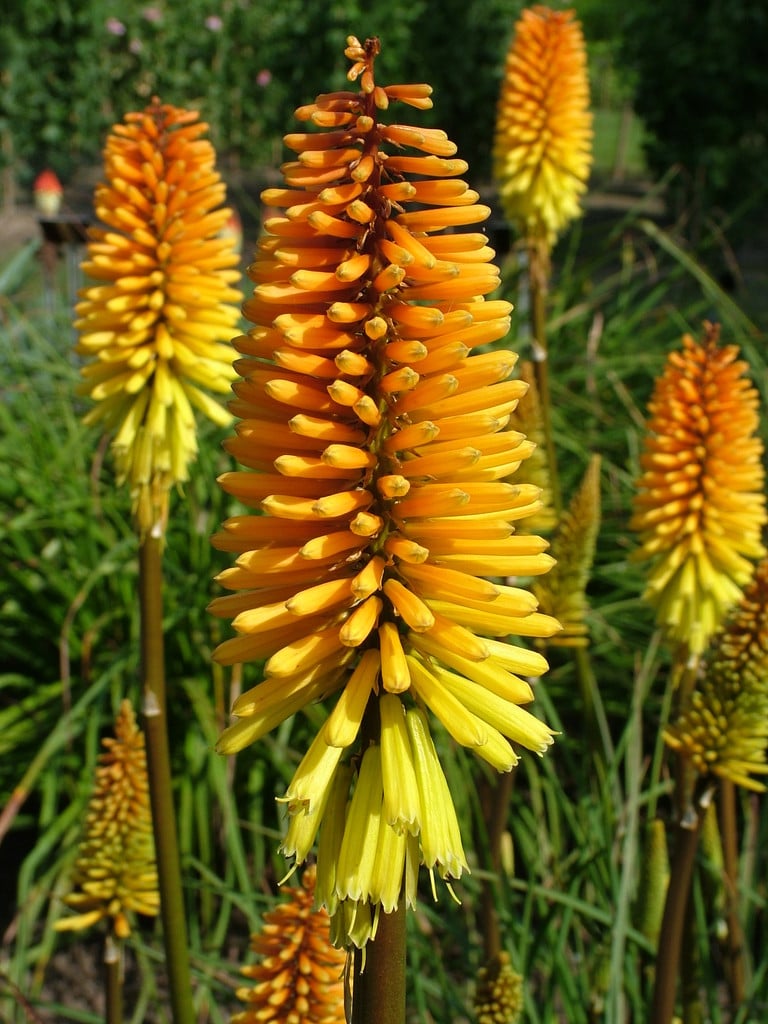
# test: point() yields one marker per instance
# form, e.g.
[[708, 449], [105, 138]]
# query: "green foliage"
[[701, 79]]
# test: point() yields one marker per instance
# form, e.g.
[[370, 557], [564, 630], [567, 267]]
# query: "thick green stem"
[[495, 794], [673, 922], [113, 981], [159, 768], [378, 994], [734, 945], [538, 258]]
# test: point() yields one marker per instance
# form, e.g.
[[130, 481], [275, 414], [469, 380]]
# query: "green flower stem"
[[159, 770], [113, 981], [378, 993], [734, 945], [495, 795], [538, 263], [668, 956]]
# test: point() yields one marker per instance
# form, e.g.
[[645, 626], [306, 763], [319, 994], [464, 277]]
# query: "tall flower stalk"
[[542, 155], [541, 162], [378, 465], [153, 330]]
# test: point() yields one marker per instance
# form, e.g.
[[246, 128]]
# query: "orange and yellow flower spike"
[[379, 468], [155, 327], [700, 507], [115, 874], [543, 141], [724, 729], [299, 976]]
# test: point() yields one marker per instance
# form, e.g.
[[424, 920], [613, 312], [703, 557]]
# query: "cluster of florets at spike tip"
[[499, 995], [378, 465], [154, 326], [700, 506], [300, 974]]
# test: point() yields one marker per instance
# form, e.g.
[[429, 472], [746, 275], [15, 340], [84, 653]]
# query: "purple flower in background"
[[135, 46], [115, 27], [264, 77], [153, 14], [214, 23]]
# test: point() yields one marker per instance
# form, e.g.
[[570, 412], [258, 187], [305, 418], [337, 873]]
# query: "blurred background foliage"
[[701, 87], [71, 68], [692, 71]]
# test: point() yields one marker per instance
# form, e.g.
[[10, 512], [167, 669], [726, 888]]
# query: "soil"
[[17, 227]]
